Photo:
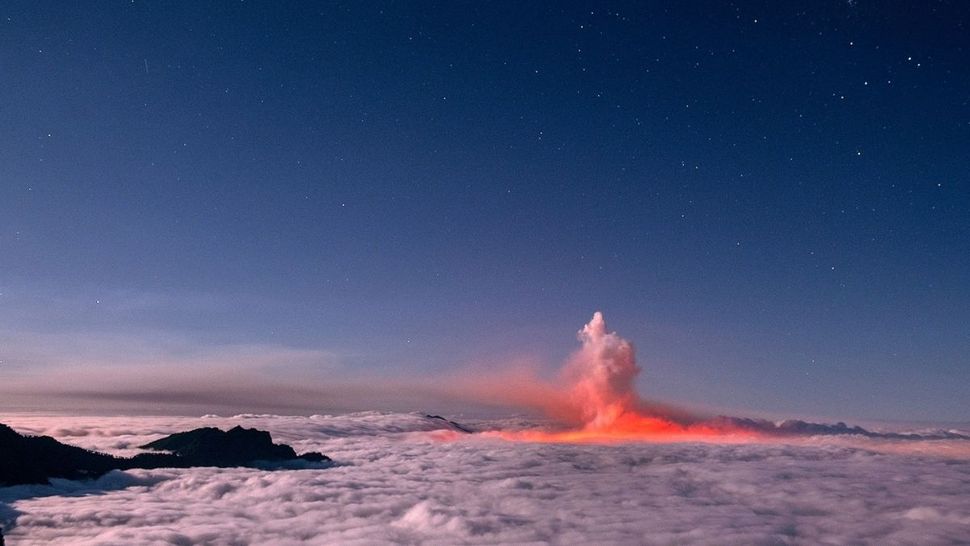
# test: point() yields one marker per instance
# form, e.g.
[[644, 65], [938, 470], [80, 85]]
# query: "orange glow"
[[634, 427], [601, 402]]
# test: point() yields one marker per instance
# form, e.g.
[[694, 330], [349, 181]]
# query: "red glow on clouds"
[[633, 427], [601, 404]]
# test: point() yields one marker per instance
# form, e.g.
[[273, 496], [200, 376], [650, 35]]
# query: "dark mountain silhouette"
[[795, 427], [236, 447], [36, 459], [451, 424]]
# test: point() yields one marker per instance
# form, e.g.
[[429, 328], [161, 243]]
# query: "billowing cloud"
[[406, 478], [596, 397], [403, 478], [602, 374]]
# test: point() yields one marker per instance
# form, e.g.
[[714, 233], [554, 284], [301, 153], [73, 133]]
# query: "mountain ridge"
[[36, 459]]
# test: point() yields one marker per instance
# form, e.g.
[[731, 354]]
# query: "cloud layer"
[[407, 478], [404, 478]]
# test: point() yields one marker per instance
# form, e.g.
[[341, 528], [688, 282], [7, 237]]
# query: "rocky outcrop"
[[36, 459], [237, 446]]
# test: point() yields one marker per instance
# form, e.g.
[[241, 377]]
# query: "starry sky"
[[769, 199]]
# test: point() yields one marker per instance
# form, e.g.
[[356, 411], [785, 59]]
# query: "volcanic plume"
[[602, 374], [601, 401], [597, 401]]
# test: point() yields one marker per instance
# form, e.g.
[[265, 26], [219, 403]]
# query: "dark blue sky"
[[770, 199]]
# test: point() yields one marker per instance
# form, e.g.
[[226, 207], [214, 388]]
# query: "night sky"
[[769, 199]]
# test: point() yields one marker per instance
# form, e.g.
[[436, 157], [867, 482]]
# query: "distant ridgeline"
[[795, 427], [35, 459]]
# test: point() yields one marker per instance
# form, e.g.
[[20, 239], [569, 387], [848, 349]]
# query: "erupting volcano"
[[596, 401], [600, 401]]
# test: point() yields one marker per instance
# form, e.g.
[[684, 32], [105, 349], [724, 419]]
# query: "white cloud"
[[402, 479]]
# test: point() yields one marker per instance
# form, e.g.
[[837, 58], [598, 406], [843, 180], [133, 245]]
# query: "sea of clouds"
[[407, 478]]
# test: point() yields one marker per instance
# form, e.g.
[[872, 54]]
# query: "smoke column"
[[597, 398], [602, 374], [601, 401]]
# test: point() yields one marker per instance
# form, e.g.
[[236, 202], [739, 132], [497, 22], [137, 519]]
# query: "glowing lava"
[[602, 403]]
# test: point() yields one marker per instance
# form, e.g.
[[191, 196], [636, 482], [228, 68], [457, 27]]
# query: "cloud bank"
[[403, 478], [612, 469]]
